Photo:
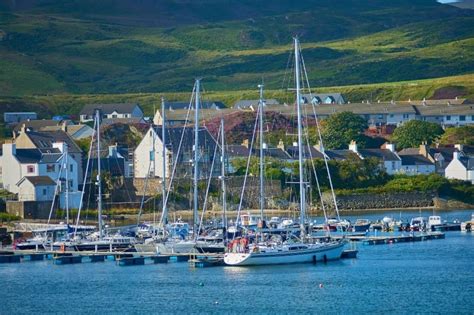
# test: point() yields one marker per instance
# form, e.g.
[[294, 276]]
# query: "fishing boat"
[[293, 250]]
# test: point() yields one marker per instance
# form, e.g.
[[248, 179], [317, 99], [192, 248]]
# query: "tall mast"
[[260, 110], [300, 136], [99, 181], [163, 137], [224, 201], [196, 148], [65, 154]]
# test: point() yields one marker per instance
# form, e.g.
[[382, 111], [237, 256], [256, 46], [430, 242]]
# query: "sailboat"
[[293, 250]]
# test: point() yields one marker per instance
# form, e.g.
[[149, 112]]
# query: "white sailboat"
[[293, 250]]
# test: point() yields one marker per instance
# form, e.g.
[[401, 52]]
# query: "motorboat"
[[418, 224], [37, 242], [361, 225], [107, 243]]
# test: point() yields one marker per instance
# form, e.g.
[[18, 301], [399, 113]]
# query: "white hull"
[[181, 247], [315, 253]]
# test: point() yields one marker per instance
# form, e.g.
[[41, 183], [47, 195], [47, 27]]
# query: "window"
[[448, 117], [114, 116], [462, 118], [44, 191], [472, 117], [380, 116], [71, 168], [30, 169], [50, 168]]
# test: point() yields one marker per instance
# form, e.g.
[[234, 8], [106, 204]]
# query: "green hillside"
[[125, 46]]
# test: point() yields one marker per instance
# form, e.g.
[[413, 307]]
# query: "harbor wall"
[[382, 201], [36, 210]]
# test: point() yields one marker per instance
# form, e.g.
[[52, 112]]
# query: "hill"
[[129, 46]]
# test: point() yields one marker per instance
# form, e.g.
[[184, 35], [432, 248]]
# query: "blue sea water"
[[435, 277]]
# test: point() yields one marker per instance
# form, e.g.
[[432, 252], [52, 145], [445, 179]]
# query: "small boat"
[[107, 243], [361, 225], [249, 221], [418, 224], [37, 242], [274, 222], [468, 225]]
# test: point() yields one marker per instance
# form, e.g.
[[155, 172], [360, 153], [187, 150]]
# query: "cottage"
[[36, 188], [461, 167], [416, 164], [388, 158], [148, 154], [111, 111]]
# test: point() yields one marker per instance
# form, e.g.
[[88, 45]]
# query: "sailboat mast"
[[260, 110], [66, 197], [224, 201], [99, 181], [300, 136], [163, 137], [196, 146]]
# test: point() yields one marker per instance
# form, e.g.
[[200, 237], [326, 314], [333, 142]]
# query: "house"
[[341, 155], [76, 132], [388, 158], [461, 167], [16, 117], [111, 111], [245, 104], [45, 141], [16, 164], [447, 114], [235, 151], [441, 156], [308, 152], [323, 98], [179, 148], [416, 164], [203, 105], [116, 161], [36, 188]]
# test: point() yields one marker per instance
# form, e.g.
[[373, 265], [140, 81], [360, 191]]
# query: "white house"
[[111, 111], [388, 158], [148, 159], [447, 114], [461, 167], [416, 164], [16, 164]]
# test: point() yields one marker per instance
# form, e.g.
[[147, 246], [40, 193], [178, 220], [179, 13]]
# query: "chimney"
[[64, 126], [353, 146], [265, 146], [23, 128], [460, 147], [245, 143], [295, 144], [9, 147], [390, 146], [423, 150], [281, 145], [62, 146], [113, 150], [455, 155]]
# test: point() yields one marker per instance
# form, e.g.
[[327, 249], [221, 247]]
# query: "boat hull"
[[325, 252]]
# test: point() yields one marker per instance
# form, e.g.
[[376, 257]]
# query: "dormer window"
[[30, 169]]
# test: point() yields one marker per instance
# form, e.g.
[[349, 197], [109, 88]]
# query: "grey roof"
[[336, 98], [237, 150], [127, 121], [38, 180], [28, 155], [203, 105], [381, 154], [45, 140], [276, 153], [122, 108], [248, 103], [307, 153], [340, 154], [444, 109], [415, 159], [174, 135], [468, 162], [37, 125]]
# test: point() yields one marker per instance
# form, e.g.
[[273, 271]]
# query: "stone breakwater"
[[382, 201]]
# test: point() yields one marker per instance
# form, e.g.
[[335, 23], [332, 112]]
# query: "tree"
[[415, 132], [339, 129], [458, 135]]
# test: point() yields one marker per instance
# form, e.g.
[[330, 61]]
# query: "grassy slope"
[[47, 105], [47, 49]]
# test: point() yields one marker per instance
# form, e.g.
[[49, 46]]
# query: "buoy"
[[216, 302], [201, 284], [320, 285]]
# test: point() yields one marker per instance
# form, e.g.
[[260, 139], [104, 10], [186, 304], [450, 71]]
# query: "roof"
[[276, 153], [445, 109], [415, 159], [336, 98], [468, 162], [237, 150], [38, 156], [307, 153], [340, 154], [174, 135], [38, 125], [203, 105], [38, 181], [45, 140], [122, 108], [381, 154], [127, 121], [248, 103]]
